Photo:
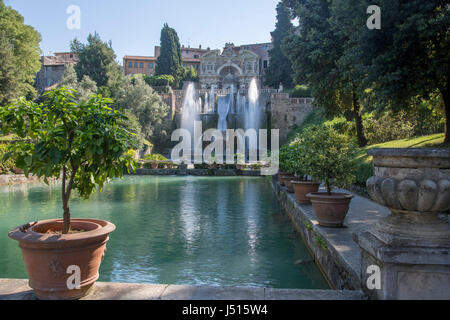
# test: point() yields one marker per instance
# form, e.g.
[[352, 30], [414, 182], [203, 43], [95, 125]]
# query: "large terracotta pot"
[[288, 183], [280, 174], [48, 256], [284, 177], [330, 210], [302, 188]]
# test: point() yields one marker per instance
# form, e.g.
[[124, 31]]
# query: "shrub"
[[155, 157], [300, 91], [342, 126], [387, 127], [6, 166], [329, 156], [160, 81]]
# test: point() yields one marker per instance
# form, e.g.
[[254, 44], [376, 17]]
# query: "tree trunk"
[[66, 222], [362, 141], [446, 98]]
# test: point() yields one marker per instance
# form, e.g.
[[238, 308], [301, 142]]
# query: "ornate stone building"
[[233, 67]]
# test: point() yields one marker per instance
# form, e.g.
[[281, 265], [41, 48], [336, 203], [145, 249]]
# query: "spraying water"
[[191, 108], [253, 112], [223, 110], [212, 99]]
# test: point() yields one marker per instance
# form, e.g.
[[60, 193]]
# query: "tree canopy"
[[96, 59], [347, 64], [19, 55]]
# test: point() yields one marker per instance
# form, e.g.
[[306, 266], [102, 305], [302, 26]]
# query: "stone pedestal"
[[411, 247]]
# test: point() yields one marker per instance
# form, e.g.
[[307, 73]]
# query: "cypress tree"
[[280, 68], [170, 62]]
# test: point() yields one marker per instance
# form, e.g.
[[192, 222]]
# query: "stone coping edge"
[[18, 289]]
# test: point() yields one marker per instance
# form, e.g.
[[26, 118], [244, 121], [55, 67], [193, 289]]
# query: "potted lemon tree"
[[303, 184], [329, 158], [83, 145], [285, 172]]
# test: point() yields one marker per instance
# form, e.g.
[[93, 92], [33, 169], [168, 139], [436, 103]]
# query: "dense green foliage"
[[6, 165], [96, 60], [327, 155], [350, 67], [300, 91], [280, 68], [84, 89], [146, 105], [190, 75], [160, 81], [84, 143], [170, 60], [409, 56], [19, 55], [315, 52], [155, 157]]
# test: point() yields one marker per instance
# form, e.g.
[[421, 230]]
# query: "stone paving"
[[15, 289]]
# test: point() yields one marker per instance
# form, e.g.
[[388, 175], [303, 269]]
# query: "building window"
[[265, 64], [142, 65], [150, 65], [136, 65], [196, 56], [130, 64]]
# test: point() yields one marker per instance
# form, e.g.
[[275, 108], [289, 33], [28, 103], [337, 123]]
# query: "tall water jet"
[[212, 99], [232, 105], [253, 111], [190, 111], [206, 104], [223, 111]]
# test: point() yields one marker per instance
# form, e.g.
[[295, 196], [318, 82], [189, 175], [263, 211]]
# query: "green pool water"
[[176, 230]]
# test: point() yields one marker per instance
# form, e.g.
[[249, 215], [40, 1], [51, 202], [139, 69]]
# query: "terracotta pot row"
[[331, 209]]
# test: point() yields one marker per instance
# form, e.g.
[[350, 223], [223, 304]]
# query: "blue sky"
[[134, 26]]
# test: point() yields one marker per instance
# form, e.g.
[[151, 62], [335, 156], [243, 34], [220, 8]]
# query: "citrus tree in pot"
[[285, 165], [329, 158], [83, 145], [303, 185]]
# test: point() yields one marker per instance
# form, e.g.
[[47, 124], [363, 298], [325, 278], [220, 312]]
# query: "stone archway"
[[230, 64]]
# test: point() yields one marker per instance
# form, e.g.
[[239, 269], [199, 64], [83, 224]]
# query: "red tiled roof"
[[140, 58], [191, 60]]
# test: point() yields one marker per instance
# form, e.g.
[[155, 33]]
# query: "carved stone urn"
[[411, 245]]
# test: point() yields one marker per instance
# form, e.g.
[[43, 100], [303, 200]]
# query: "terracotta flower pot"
[[330, 209], [155, 165], [283, 178], [48, 256], [288, 183], [281, 173], [302, 188]]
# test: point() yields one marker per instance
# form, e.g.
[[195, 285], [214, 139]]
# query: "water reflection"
[[176, 230]]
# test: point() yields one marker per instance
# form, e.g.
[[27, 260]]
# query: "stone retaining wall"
[[333, 249], [197, 172], [9, 179]]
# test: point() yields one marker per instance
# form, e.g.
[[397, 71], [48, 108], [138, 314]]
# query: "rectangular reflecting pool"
[[227, 231]]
